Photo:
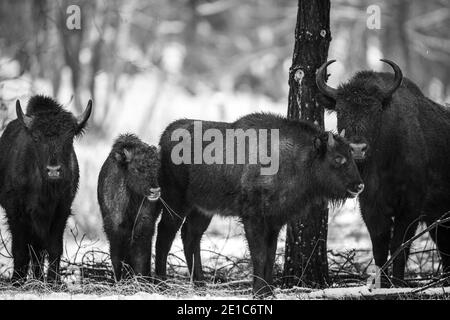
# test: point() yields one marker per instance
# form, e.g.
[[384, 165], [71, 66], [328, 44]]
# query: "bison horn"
[[321, 83], [24, 119], [398, 77], [82, 120], [330, 139], [342, 134]]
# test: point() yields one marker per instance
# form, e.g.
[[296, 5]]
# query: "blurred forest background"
[[146, 63]]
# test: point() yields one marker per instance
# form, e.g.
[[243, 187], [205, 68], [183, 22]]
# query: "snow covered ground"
[[355, 293]]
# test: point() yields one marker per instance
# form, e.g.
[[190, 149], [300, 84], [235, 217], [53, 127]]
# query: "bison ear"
[[128, 155], [320, 145], [124, 157], [158, 150], [330, 141], [84, 117], [25, 120], [317, 143]]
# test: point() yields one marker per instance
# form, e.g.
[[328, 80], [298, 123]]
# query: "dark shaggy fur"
[[37, 206], [128, 217], [307, 172], [406, 170]]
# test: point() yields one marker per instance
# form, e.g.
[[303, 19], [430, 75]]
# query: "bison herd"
[[393, 151]]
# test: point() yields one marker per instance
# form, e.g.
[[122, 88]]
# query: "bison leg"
[[192, 231], [167, 229], [141, 243], [271, 240], [55, 246], [255, 233], [379, 228], [404, 229], [54, 260], [117, 252], [441, 236], [21, 256], [37, 262]]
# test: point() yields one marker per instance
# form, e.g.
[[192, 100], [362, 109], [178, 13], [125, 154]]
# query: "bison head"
[[51, 131], [141, 165], [335, 169], [359, 105]]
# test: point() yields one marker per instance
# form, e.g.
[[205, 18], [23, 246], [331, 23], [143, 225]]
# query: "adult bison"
[[401, 142], [39, 178], [312, 165], [127, 191]]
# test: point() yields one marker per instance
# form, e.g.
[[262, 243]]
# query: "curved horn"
[[398, 77], [82, 119], [321, 84], [24, 119]]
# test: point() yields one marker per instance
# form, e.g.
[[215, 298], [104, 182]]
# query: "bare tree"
[[71, 41], [306, 250]]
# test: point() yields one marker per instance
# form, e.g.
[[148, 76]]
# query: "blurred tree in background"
[[223, 45]]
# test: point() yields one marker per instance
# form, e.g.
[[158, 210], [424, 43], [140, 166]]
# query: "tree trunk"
[[395, 40], [306, 250], [72, 41]]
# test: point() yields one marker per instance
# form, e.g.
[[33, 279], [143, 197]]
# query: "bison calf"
[[313, 165], [127, 192], [38, 182]]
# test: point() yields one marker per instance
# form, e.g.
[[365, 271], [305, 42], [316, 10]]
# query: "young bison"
[[127, 192], [312, 165], [38, 182]]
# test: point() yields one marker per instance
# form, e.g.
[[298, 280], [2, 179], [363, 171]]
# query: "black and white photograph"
[[241, 151]]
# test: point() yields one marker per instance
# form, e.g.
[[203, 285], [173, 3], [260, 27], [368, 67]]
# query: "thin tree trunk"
[[306, 251], [71, 41]]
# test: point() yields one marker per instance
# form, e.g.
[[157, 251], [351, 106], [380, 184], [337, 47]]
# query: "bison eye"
[[340, 160]]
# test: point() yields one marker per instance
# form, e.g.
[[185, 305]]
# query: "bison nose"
[[53, 171], [359, 150], [360, 187], [154, 195], [355, 189]]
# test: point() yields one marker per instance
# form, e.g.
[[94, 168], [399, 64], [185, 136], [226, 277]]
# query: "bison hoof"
[[161, 284], [199, 283], [143, 279]]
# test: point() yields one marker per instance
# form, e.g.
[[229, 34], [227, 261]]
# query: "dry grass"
[[88, 272]]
